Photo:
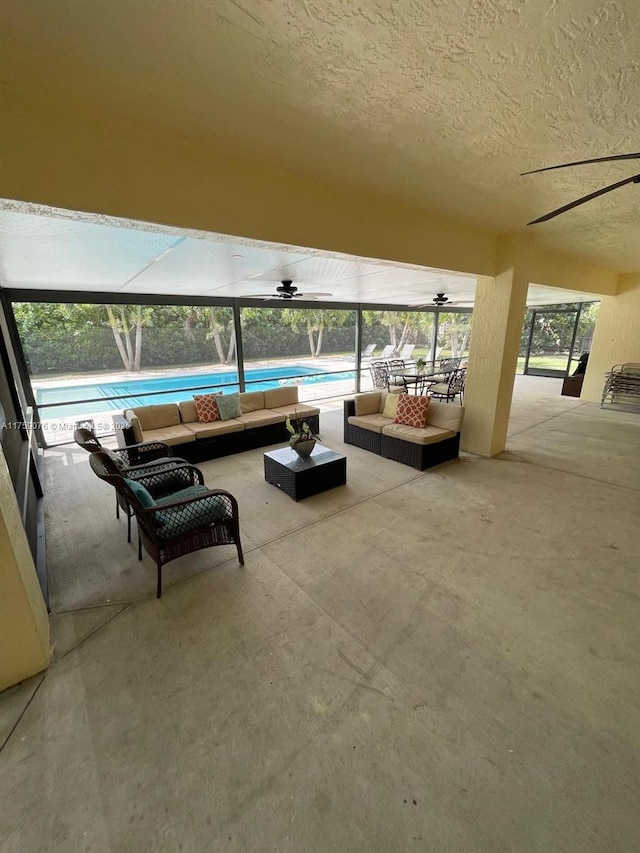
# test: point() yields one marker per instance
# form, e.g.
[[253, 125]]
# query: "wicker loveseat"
[[261, 422], [366, 427]]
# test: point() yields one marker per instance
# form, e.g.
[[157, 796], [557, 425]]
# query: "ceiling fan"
[[634, 179], [438, 300], [287, 290]]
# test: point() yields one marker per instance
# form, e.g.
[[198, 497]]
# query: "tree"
[[314, 320], [216, 321], [454, 332], [401, 325], [124, 321]]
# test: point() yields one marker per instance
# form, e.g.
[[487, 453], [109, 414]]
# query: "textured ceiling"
[[440, 103]]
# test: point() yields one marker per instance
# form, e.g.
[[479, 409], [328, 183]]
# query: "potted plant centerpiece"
[[421, 364], [301, 439]]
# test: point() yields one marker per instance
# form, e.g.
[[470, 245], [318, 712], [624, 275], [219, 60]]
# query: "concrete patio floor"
[[438, 661]]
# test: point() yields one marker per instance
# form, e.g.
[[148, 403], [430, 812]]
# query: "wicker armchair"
[[165, 476], [187, 521], [133, 454]]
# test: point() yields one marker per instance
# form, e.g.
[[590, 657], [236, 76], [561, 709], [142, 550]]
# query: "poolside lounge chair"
[[407, 351], [366, 353], [387, 352]]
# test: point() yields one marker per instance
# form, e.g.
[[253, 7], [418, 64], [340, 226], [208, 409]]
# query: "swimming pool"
[[89, 398]]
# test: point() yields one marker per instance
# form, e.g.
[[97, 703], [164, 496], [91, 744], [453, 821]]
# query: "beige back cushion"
[[283, 396], [188, 411], [368, 404], [252, 401], [157, 417], [445, 415], [135, 425]]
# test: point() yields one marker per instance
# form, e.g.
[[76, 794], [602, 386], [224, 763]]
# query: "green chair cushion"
[[141, 493], [175, 521]]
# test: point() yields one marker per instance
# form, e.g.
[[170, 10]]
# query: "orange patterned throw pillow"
[[412, 411], [207, 408]]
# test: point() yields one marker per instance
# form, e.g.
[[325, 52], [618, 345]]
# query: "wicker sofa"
[[366, 427], [262, 422]]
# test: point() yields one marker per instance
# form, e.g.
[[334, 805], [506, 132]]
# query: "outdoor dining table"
[[414, 379]]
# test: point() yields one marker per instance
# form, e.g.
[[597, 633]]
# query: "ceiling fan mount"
[[634, 179], [440, 299]]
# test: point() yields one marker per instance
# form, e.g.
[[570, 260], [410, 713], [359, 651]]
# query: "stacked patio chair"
[[622, 387], [174, 523]]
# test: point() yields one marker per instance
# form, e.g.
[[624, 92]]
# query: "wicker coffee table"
[[301, 478]]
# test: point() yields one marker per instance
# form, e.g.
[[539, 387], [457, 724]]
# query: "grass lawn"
[[544, 362]]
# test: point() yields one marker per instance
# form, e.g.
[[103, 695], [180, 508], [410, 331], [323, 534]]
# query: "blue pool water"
[[140, 392]]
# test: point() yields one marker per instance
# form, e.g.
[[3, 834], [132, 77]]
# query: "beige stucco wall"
[[555, 269], [617, 335], [24, 623], [93, 163]]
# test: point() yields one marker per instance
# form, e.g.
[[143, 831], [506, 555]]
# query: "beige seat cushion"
[[445, 415], [169, 435], [252, 401], [297, 410], [374, 422], [285, 395], [262, 418], [199, 430], [427, 435]]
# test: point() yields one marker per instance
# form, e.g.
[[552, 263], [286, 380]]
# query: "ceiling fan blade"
[[635, 179], [260, 296], [585, 162]]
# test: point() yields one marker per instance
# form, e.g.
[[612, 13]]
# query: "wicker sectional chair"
[[366, 427], [262, 422]]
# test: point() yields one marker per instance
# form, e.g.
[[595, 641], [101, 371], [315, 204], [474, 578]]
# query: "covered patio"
[[394, 646]]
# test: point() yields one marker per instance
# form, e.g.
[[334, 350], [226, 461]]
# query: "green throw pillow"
[[390, 406], [229, 406], [141, 493]]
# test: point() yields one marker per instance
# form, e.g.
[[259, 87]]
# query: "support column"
[[498, 316], [24, 623]]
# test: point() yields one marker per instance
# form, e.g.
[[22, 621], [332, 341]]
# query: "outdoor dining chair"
[[452, 388], [382, 378]]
